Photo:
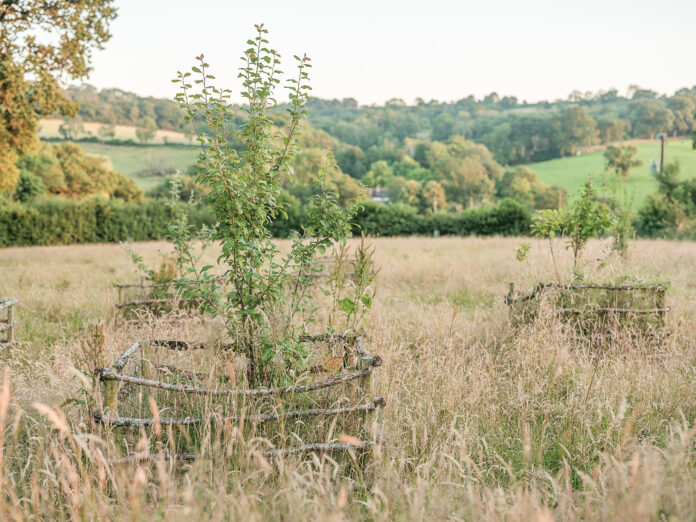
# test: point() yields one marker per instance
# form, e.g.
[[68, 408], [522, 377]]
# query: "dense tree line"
[[405, 148], [118, 107], [515, 132]]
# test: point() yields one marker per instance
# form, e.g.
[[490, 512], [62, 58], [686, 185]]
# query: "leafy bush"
[[29, 186], [65, 169], [659, 216]]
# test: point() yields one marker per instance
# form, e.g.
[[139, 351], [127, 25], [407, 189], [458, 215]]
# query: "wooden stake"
[[367, 385], [146, 366], [661, 305], [111, 397]]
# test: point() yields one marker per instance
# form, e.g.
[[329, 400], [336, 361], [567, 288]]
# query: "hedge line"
[[57, 221], [506, 219]]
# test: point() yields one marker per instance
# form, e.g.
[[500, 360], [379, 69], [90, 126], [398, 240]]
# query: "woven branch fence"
[[356, 371], [154, 297], [596, 311], [8, 323], [162, 297]]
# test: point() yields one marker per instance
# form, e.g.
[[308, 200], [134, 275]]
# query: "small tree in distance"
[[586, 218], [145, 132], [621, 159]]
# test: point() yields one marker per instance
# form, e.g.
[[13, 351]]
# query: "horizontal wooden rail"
[[5, 325], [378, 402], [122, 360], [162, 285], [612, 310], [141, 302], [580, 286], [658, 288], [5, 303], [109, 375]]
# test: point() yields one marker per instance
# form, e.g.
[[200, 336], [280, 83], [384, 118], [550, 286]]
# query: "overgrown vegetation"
[[480, 423]]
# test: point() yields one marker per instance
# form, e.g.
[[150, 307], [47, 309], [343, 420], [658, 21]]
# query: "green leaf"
[[347, 305]]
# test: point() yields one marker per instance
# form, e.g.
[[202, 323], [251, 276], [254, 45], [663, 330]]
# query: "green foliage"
[[621, 160], [509, 218], [574, 127], [660, 216], [41, 43], [147, 127], [623, 226], [586, 218], [522, 184], [66, 170], [522, 252], [673, 209], [668, 182], [351, 288], [621, 207], [245, 194], [61, 221], [180, 232], [29, 186], [547, 223]]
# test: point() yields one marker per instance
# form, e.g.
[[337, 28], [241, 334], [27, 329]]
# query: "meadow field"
[[572, 171], [138, 161], [482, 420]]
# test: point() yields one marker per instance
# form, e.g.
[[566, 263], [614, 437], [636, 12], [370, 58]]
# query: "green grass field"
[[571, 172], [134, 160]]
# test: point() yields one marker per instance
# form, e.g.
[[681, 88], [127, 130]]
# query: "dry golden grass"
[[49, 128], [482, 422]]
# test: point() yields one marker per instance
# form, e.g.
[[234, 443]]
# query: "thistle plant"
[[265, 288]]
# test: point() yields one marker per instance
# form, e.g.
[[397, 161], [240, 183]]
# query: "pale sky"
[[434, 49]]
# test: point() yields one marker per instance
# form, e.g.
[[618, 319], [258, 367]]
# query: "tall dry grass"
[[482, 421]]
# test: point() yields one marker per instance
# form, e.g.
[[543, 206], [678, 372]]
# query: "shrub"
[[659, 216], [29, 186]]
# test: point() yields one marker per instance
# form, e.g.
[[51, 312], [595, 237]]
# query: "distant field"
[[572, 172], [49, 128], [134, 160]]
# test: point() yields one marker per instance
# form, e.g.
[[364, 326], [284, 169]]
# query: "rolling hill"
[[571, 172]]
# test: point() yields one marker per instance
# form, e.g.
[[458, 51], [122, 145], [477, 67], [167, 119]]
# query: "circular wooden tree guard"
[[359, 368], [8, 323], [597, 311]]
